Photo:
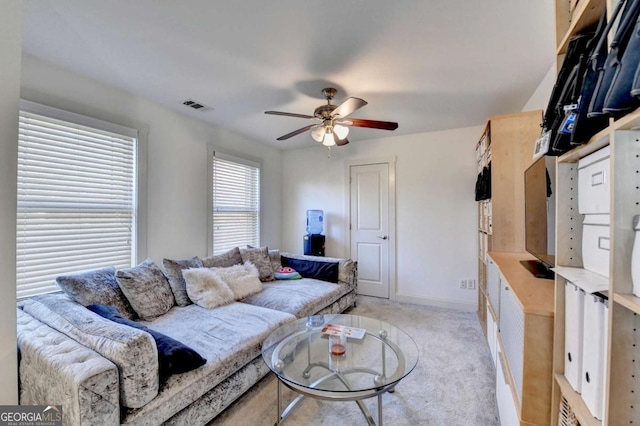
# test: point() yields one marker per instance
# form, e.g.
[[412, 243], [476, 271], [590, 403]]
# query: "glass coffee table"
[[365, 358]]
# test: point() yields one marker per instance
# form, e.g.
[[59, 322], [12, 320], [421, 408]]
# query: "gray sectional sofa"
[[106, 373]]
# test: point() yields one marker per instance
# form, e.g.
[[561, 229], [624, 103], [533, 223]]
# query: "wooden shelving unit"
[[622, 350], [522, 347]]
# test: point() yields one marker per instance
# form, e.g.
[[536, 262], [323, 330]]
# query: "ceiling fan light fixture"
[[341, 131], [328, 139], [318, 133]]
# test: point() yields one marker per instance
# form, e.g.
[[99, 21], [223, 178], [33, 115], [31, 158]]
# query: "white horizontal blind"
[[76, 201], [236, 203]]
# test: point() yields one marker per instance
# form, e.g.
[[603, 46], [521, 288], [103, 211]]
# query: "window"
[[236, 203], [76, 196]]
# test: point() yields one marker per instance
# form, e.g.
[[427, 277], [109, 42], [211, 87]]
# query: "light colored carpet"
[[453, 383]]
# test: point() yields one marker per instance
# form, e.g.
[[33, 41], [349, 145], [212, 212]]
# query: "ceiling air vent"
[[196, 105]]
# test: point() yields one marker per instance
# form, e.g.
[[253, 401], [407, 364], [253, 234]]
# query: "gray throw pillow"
[[276, 262], [173, 272], [97, 286], [260, 258], [147, 289], [229, 258]]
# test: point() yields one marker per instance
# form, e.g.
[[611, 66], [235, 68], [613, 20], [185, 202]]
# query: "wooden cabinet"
[[507, 145], [524, 339], [622, 345], [515, 308]]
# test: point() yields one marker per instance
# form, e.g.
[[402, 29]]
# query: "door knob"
[[383, 237]]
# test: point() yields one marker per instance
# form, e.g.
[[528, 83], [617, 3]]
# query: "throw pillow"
[[286, 273], [206, 288], [260, 258], [147, 289], [97, 286], [229, 258], [173, 271], [242, 279], [174, 357], [274, 257], [325, 271]]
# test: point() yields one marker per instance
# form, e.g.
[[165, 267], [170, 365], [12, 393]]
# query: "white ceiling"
[[426, 64]]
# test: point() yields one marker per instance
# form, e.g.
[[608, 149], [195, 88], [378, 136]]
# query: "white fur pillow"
[[242, 279], [206, 288]]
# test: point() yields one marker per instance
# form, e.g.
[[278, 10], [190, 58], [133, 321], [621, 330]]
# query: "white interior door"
[[369, 224]]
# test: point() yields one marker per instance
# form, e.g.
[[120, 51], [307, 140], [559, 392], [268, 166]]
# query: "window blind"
[[76, 201], [236, 203]]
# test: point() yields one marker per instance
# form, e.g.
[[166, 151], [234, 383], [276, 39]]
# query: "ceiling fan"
[[334, 124]]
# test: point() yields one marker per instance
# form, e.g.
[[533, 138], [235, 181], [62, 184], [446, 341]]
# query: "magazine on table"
[[351, 332]]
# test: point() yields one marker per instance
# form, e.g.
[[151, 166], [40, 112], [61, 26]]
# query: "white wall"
[[436, 213], [10, 52], [540, 97], [177, 157]]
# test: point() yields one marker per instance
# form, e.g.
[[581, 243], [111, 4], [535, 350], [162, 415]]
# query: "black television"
[[539, 217]]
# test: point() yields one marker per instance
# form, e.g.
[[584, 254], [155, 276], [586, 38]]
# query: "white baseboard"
[[441, 303]]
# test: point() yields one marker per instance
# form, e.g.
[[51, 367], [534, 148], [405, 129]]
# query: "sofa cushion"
[[229, 337], [132, 351], [97, 286], [174, 357], [242, 279], [320, 270], [173, 271], [260, 258], [298, 297], [229, 258], [146, 288], [206, 288]]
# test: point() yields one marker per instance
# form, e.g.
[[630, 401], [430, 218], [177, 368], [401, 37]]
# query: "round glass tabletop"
[[340, 356]]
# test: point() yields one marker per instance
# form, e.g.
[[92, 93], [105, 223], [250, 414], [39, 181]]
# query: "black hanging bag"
[[610, 65], [563, 90], [592, 59], [619, 100]]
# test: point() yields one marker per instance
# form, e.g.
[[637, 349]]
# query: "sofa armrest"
[[56, 370], [347, 268], [133, 351]]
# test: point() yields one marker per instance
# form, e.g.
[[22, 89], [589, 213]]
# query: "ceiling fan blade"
[[347, 107], [340, 142], [373, 124], [296, 132], [289, 114]]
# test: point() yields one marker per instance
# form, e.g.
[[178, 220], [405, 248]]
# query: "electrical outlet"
[[471, 284], [463, 283]]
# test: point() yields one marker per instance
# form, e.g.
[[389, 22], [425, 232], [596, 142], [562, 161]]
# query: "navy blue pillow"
[[325, 271], [173, 357]]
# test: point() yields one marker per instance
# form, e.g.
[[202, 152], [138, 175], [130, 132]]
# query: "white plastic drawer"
[[492, 336], [594, 183], [504, 397], [493, 286], [596, 243]]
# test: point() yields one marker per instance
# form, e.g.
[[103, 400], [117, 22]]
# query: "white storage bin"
[[594, 183], [596, 243], [593, 354], [573, 332]]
